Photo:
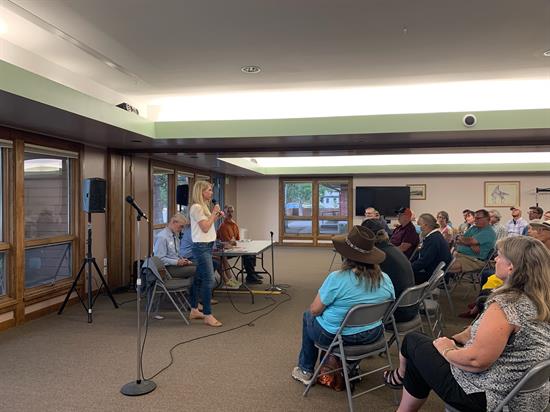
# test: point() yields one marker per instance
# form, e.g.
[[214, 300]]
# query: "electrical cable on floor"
[[272, 307]]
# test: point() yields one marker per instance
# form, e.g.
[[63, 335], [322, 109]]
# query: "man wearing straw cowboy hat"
[[360, 280]]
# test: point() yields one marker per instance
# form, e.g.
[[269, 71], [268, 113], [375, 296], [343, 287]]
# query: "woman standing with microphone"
[[203, 235]]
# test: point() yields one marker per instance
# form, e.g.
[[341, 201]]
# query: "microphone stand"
[[139, 386], [273, 287]]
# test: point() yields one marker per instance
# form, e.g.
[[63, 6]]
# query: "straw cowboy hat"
[[358, 245]]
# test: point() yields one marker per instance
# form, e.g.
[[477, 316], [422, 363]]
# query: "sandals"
[[393, 379], [196, 314], [212, 321]]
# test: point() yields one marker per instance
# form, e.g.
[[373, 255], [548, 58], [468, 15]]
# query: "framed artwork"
[[502, 194], [418, 192]]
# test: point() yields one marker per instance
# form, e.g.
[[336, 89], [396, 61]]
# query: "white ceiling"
[[178, 47]]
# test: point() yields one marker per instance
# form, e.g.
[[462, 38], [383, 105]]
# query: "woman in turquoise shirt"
[[359, 281]]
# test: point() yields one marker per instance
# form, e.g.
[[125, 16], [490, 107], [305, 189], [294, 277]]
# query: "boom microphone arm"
[[140, 213]]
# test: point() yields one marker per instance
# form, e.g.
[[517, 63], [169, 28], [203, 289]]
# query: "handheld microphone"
[[130, 200], [221, 212]]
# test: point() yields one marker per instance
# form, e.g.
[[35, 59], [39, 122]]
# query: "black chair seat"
[[175, 284]]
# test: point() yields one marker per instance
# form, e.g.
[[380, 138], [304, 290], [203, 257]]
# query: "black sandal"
[[393, 379]]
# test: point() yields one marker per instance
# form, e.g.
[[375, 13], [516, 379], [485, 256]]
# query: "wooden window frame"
[[172, 179], [315, 238], [43, 292]]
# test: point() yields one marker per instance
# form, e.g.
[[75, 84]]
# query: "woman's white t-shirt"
[[196, 214]]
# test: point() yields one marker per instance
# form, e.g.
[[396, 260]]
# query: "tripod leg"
[[73, 288], [103, 283]]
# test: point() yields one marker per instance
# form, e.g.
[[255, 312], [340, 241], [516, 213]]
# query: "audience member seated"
[[444, 227], [396, 266], [404, 236], [360, 281], [477, 368], [538, 229], [229, 232], [517, 225], [433, 249], [535, 213], [475, 246], [546, 216], [469, 220], [167, 248], [372, 214], [494, 219]]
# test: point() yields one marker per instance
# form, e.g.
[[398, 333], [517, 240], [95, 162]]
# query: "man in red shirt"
[[229, 232], [404, 236]]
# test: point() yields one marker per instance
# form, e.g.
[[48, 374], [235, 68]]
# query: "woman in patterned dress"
[[475, 369]]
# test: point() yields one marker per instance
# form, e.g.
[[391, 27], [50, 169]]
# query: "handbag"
[[334, 380]]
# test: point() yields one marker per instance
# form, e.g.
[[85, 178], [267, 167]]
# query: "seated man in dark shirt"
[[434, 249], [396, 266], [404, 236]]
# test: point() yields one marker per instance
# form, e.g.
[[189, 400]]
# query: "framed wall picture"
[[502, 194], [418, 192]]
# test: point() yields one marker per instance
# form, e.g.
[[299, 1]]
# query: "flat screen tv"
[[386, 199]]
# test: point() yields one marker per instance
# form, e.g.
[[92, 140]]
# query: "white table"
[[246, 248]]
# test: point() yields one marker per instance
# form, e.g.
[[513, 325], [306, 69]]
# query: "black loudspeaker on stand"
[[93, 201]]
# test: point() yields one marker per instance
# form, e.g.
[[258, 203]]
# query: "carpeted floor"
[[62, 363]]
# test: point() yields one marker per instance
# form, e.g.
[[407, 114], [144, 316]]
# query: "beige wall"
[[258, 210], [230, 193], [94, 164], [456, 193], [258, 197]]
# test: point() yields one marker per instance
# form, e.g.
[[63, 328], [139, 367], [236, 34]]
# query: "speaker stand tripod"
[[88, 262]]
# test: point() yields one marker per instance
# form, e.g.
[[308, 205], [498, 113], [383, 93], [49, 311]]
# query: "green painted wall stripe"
[[24, 83]]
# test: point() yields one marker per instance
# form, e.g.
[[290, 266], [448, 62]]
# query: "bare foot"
[[196, 314], [210, 320]]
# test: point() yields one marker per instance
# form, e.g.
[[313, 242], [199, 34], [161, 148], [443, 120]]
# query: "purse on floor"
[[333, 380]]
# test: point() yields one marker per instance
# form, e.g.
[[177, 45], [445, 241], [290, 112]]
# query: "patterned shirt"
[[524, 349]]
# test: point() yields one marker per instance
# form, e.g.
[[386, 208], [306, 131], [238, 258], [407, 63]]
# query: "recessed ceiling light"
[[546, 53], [251, 69], [3, 27]]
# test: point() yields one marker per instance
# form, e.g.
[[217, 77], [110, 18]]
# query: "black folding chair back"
[[412, 296]]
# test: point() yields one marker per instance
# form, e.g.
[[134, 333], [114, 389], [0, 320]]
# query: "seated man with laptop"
[[167, 248]]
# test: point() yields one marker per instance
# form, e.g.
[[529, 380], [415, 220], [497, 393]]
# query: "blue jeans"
[[203, 280], [313, 332]]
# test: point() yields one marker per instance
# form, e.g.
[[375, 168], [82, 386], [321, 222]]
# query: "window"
[[160, 196], [47, 197], [4, 246], [47, 264], [313, 210], [49, 227]]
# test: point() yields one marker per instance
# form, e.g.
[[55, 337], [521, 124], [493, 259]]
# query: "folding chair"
[[174, 289], [535, 378], [351, 355], [430, 304], [475, 276], [409, 298]]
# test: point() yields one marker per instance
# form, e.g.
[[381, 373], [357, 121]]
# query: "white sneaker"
[[301, 375]]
